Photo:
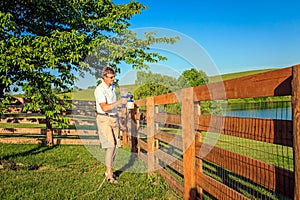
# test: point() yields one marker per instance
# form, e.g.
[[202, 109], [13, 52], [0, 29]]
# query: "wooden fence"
[[194, 167], [17, 127]]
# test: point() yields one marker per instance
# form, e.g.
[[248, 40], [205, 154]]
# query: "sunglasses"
[[111, 77]]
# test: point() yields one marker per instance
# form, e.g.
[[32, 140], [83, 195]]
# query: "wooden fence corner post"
[[188, 135], [150, 133], [296, 128]]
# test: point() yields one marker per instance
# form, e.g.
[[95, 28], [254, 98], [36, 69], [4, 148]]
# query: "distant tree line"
[[154, 84]]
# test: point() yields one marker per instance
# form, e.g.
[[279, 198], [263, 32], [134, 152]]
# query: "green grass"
[[70, 172], [13, 125], [229, 76], [88, 94]]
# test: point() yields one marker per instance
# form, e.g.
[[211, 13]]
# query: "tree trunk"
[[49, 132], [2, 86]]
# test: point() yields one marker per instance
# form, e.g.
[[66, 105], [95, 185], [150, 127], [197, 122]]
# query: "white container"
[[130, 105]]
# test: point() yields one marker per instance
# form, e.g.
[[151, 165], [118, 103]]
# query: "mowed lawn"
[[70, 172]]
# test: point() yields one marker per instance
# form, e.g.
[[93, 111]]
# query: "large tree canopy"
[[45, 43]]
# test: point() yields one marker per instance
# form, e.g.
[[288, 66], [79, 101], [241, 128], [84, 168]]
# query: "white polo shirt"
[[105, 94]]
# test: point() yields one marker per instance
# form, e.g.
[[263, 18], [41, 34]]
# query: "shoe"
[[119, 143], [106, 174], [112, 179]]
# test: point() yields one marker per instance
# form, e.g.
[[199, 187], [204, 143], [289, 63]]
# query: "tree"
[[144, 77], [45, 44], [155, 89], [150, 89], [192, 78]]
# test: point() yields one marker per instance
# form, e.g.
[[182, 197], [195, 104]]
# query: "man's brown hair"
[[107, 70]]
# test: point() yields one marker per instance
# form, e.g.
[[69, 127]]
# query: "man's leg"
[[109, 159]]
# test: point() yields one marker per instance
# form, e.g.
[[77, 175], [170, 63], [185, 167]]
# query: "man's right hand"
[[123, 101]]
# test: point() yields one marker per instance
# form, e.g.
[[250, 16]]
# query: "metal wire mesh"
[[255, 122]]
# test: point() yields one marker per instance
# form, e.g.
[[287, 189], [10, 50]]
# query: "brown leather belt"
[[106, 114]]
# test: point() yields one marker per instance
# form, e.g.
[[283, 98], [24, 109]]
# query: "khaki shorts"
[[108, 130]]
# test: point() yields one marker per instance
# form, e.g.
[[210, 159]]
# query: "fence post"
[[188, 135], [133, 130], [199, 163], [124, 124], [150, 133], [296, 128]]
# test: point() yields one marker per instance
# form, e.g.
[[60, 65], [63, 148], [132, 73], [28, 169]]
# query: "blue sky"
[[238, 35]]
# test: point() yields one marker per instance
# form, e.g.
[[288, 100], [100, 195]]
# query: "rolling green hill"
[[229, 76]]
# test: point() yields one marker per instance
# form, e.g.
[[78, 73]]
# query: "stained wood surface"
[[296, 126]]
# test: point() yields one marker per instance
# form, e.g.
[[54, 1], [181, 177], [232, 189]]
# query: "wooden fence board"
[[63, 141], [265, 130], [69, 141], [142, 130], [83, 102], [169, 160], [143, 145], [167, 118], [22, 131], [172, 181], [169, 98], [23, 120], [171, 139], [275, 83], [140, 102], [18, 140], [217, 189], [143, 157], [42, 131], [276, 179]]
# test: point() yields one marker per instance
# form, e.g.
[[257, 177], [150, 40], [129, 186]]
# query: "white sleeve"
[[100, 95]]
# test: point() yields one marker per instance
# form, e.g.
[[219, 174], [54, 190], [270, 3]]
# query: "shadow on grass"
[[39, 149], [133, 157], [134, 141]]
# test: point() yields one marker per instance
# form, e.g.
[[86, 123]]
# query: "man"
[[107, 119]]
